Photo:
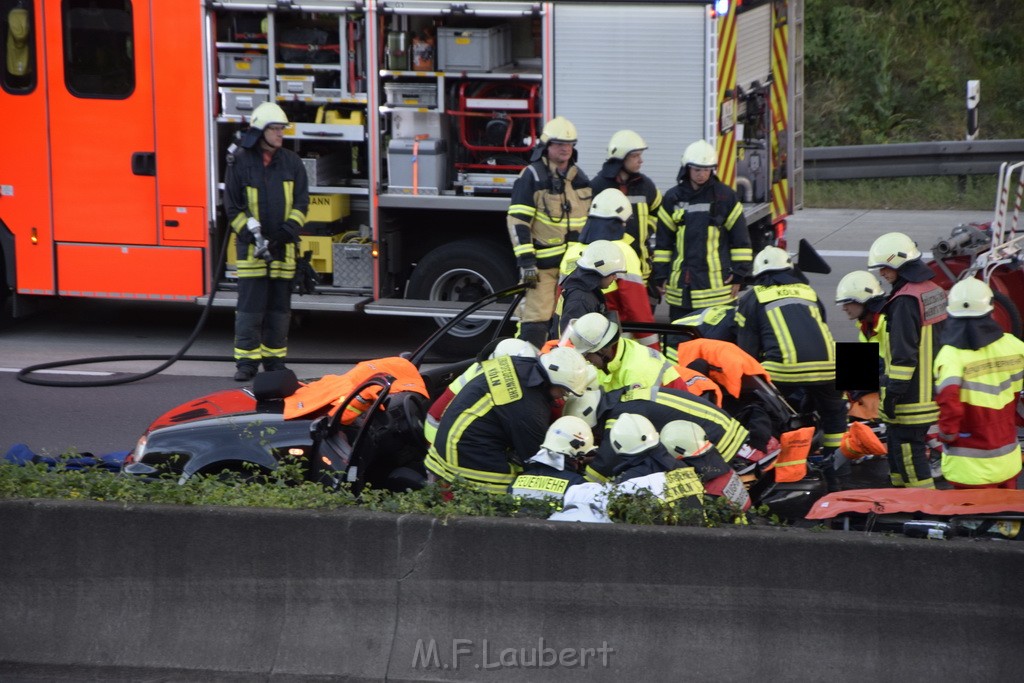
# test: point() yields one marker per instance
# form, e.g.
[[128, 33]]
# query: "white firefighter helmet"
[[611, 203], [684, 439], [566, 368], [603, 256], [266, 114], [771, 259], [592, 332], [701, 155], [858, 286], [623, 142], [558, 129], [632, 434], [892, 250], [970, 298], [517, 348], [570, 436], [584, 407]]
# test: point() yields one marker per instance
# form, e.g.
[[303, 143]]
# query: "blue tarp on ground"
[[21, 454]]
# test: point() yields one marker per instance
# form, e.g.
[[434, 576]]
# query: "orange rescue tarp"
[[730, 362], [927, 501], [332, 389]]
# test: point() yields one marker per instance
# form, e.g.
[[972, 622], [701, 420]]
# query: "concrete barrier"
[[95, 589]]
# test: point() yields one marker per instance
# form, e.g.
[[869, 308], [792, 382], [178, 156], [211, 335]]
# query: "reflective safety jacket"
[[547, 210], [645, 197], [914, 313], [495, 423], [277, 195], [438, 407], [540, 480], [977, 389], [638, 365], [661, 406], [581, 294], [701, 240], [781, 323], [627, 294]]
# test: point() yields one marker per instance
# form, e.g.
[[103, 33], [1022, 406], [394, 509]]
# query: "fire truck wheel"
[[1006, 314], [463, 271]]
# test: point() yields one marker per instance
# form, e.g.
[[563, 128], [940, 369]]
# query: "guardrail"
[[954, 158]]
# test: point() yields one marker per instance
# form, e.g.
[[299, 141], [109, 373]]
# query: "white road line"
[[61, 372]]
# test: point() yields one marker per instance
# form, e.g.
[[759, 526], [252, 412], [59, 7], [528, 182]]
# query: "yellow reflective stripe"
[[702, 298], [522, 210], [252, 198], [901, 372], [273, 353], [462, 423], [239, 222], [548, 252], [289, 192], [714, 260], [662, 256], [742, 254], [523, 249], [297, 216], [781, 333], [832, 440], [734, 216], [247, 354], [593, 475]]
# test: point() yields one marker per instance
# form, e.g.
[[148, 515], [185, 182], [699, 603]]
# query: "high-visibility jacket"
[[547, 210], [627, 294], [541, 480], [713, 322], [662, 405], [781, 323], [646, 199], [977, 390], [639, 365], [277, 195], [438, 407], [702, 239], [914, 313], [496, 422]]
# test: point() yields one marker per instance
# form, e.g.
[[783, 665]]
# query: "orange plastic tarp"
[[332, 389]]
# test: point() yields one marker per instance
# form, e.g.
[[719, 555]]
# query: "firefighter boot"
[[837, 470], [535, 333], [246, 372]]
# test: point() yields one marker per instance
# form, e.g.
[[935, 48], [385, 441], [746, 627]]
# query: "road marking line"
[[61, 372]]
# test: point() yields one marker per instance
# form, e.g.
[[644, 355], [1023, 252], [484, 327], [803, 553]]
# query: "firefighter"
[[781, 323], [498, 419], [266, 195], [702, 251], [621, 170], [687, 442], [620, 362], [914, 316], [555, 467], [978, 379], [597, 267], [549, 205], [661, 406], [713, 322], [862, 299]]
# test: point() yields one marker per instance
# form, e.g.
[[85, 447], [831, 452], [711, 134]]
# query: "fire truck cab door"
[[102, 140]]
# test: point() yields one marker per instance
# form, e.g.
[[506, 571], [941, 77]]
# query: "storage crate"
[[411, 94], [327, 170], [422, 172], [410, 124], [327, 207], [322, 256], [242, 65], [241, 101], [474, 49], [295, 85], [353, 266]]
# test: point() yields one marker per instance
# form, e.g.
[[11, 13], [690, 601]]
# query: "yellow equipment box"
[[322, 259], [326, 208]]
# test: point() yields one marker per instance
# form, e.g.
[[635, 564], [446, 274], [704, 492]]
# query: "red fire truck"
[[413, 117]]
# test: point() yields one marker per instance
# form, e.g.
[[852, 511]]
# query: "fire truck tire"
[[1007, 315], [464, 270]]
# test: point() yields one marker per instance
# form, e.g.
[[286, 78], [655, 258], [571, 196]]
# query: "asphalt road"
[[106, 419]]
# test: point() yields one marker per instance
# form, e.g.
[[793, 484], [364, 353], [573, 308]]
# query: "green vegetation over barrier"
[[284, 488], [896, 70]]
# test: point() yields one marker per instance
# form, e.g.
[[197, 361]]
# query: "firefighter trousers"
[[908, 456], [261, 322]]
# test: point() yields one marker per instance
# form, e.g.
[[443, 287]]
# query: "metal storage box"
[[295, 85], [326, 170], [353, 266], [417, 168], [410, 123], [236, 65], [241, 101], [474, 49], [411, 94]]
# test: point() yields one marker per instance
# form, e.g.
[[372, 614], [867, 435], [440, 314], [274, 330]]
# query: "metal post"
[[973, 98]]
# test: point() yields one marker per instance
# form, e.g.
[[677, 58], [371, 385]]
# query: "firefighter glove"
[[530, 276], [291, 230], [245, 237], [252, 224]]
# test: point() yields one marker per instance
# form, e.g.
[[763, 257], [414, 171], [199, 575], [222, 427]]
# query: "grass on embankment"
[[938, 193]]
